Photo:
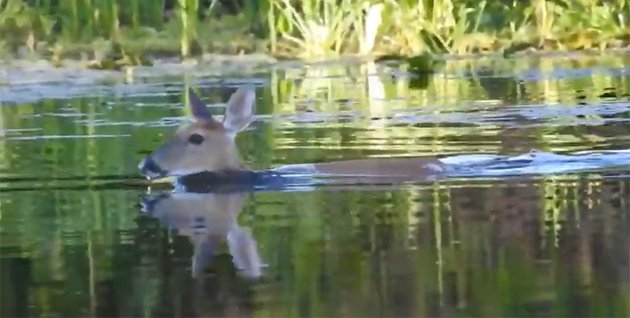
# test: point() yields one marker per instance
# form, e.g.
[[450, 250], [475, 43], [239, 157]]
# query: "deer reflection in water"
[[208, 220]]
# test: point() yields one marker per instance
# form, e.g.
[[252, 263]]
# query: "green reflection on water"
[[73, 241]]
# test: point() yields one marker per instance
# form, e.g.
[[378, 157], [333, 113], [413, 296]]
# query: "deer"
[[203, 154]]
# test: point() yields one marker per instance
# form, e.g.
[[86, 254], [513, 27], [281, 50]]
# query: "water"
[[542, 228]]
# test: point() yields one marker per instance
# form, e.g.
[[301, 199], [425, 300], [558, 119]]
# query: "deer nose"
[[150, 169]]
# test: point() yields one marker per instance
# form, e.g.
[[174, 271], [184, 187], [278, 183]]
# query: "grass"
[[315, 28], [412, 27], [125, 32], [115, 33]]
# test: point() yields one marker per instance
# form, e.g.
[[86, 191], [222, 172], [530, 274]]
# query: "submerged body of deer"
[[205, 152]]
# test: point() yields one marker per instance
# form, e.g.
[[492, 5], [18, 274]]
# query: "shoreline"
[[22, 80]]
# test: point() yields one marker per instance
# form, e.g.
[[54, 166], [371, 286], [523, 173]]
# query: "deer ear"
[[240, 109], [198, 108]]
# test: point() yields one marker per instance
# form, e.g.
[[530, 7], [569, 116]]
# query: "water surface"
[[548, 234]]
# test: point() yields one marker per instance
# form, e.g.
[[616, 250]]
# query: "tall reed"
[[315, 27], [187, 10]]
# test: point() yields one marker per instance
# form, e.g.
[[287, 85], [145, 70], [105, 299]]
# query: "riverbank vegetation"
[[114, 33]]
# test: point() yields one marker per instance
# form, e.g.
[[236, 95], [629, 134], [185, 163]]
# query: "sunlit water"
[[530, 219]]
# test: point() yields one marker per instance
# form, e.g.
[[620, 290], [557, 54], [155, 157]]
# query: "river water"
[[544, 232]]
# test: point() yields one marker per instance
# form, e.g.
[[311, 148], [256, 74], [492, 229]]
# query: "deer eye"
[[195, 139]]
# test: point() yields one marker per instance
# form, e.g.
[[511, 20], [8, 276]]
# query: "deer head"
[[206, 144]]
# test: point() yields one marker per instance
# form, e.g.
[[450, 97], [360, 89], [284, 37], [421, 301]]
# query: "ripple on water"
[[536, 202]]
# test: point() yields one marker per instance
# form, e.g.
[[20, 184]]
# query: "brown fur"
[[398, 167]]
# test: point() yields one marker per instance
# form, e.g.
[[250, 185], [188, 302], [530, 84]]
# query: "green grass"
[[308, 29], [412, 27]]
